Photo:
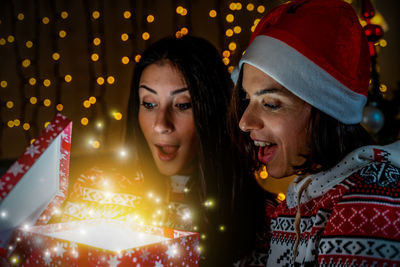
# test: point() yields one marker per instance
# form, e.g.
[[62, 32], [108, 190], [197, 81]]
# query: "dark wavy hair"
[[218, 172], [329, 140]]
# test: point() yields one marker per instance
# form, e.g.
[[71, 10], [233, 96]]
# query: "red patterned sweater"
[[350, 215]]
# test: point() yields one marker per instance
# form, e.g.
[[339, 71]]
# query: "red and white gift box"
[[105, 242], [36, 184], [34, 188]]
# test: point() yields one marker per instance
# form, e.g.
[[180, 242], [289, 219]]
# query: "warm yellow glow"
[[281, 196], [203, 236], [222, 228], [64, 14], [137, 58], [92, 100], [179, 9], [110, 79], [238, 6], [26, 126], [45, 20], [33, 100], [55, 56], [32, 140], [46, 124], [383, 43], [86, 104], [212, 13], [62, 34], [146, 36], [32, 81], [2, 41], [117, 116], [10, 124], [125, 60], [94, 57], [26, 63], [261, 9], [46, 82], [3, 84], [96, 144], [237, 29], [230, 69], [68, 78], [60, 107], [184, 31], [127, 14], [96, 41], [150, 18], [229, 32], [184, 12], [17, 122], [226, 53], [20, 16], [256, 21], [95, 14], [226, 60], [84, 121], [124, 37], [383, 88], [100, 80], [10, 39], [252, 28], [232, 6], [263, 174], [232, 46], [178, 34], [230, 18], [28, 44], [10, 104], [47, 102]]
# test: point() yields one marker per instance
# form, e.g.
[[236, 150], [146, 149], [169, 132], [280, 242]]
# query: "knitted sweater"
[[350, 215]]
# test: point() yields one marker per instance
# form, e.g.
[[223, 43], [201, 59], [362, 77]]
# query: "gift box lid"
[[36, 184]]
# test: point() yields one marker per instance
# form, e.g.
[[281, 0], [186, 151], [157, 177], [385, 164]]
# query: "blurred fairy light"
[[55, 56], [150, 18], [45, 20], [212, 13], [230, 18], [127, 14], [84, 121], [281, 196], [123, 153], [28, 44], [62, 34], [64, 15], [96, 41], [95, 14]]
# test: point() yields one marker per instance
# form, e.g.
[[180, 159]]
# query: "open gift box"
[[105, 243], [33, 189]]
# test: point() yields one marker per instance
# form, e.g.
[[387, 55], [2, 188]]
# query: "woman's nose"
[[164, 123], [250, 120]]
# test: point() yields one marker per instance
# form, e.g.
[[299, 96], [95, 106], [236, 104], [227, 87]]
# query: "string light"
[[2, 41], [46, 124], [97, 41], [33, 100], [46, 82], [45, 20], [124, 37], [64, 15], [230, 18], [95, 14], [3, 84], [226, 53], [28, 44], [92, 100], [110, 79], [59, 107], [46, 102], [232, 46], [179, 9], [117, 116], [94, 57], [55, 56], [32, 81], [127, 14], [281, 196], [212, 13], [137, 58], [68, 78], [229, 32], [145, 36], [26, 126], [10, 104], [10, 124], [100, 80], [10, 39], [62, 34], [26, 63], [261, 9], [84, 121], [125, 60], [237, 29], [150, 18], [86, 104], [17, 122], [20, 16]]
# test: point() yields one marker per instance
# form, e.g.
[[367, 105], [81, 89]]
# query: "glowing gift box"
[[103, 242], [36, 184]]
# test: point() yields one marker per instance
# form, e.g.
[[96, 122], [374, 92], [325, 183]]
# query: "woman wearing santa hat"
[[301, 88]]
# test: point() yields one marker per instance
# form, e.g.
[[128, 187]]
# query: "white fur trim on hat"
[[304, 78]]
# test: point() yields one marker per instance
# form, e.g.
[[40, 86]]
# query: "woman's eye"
[[271, 106], [148, 105], [184, 106]]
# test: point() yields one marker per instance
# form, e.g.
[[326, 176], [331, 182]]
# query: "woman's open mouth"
[[167, 152], [266, 151]]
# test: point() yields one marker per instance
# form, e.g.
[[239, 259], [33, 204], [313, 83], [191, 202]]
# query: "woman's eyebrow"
[[148, 89], [175, 92], [267, 91]]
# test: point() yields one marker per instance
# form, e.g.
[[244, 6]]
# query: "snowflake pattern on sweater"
[[350, 215]]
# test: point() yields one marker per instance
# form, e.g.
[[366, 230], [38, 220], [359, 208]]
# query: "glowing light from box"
[[281, 196], [123, 153]]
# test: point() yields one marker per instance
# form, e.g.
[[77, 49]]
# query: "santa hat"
[[316, 49]]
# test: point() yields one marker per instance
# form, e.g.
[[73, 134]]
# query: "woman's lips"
[[266, 153], [167, 152]]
